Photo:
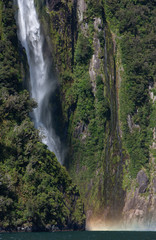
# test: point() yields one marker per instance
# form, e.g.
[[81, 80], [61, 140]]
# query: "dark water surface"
[[80, 236]]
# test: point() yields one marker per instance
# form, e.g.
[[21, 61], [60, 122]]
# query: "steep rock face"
[[58, 23], [81, 8], [140, 204], [84, 56], [53, 4], [96, 62], [106, 105], [136, 109]]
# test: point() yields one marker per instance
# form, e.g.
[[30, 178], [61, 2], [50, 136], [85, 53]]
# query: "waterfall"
[[42, 81]]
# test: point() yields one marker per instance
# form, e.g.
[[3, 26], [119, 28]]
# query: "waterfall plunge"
[[41, 85]]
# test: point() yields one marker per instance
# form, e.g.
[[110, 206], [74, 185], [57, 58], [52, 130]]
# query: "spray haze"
[[42, 80], [98, 224]]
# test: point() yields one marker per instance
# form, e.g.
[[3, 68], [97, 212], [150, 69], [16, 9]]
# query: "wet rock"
[[18, 229], [53, 4], [54, 228], [79, 129], [81, 9], [28, 229], [48, 227], [142, 181], [140, 208], [95, 63], [154, 185], [131, 124]]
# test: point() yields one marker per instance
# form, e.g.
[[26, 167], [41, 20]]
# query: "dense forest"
[[36, 192], [104, 54]]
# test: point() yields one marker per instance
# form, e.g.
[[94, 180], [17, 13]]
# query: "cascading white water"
[[42, 86]]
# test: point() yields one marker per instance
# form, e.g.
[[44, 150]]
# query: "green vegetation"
[[134, 23], [94, 9], [89, 106], [98, 155], [35, 190], [93, 155], [62, 33], [83, 51]]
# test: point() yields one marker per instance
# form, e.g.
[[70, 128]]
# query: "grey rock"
[[79, 129], [52, 3], [28, 229], [54, 228], [18, 229], [143, 181], [154, 184], [81, 9]]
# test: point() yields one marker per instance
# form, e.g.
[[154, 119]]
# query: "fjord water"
[[42, 81], [80, 236]]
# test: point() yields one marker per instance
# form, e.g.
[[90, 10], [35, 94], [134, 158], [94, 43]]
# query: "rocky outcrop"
[[98, 173], [140, 204], [96, 62], [53, 4], [81, 7], [142, 181]]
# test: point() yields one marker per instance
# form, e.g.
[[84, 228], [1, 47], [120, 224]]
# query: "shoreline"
[[37, 230]]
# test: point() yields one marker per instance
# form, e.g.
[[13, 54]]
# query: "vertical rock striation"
[[107, 113]]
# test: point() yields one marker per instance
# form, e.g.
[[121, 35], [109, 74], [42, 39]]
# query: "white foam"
[[41, 86]]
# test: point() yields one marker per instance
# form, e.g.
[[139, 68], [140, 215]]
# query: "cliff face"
[[84, 54], [136, 105], [140, 203], [108, 102]]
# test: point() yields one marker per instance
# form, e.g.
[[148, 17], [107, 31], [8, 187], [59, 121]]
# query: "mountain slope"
[[36, 192], [105, 55]]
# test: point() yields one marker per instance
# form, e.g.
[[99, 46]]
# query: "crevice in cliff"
[[73, 30], [113, 192]]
